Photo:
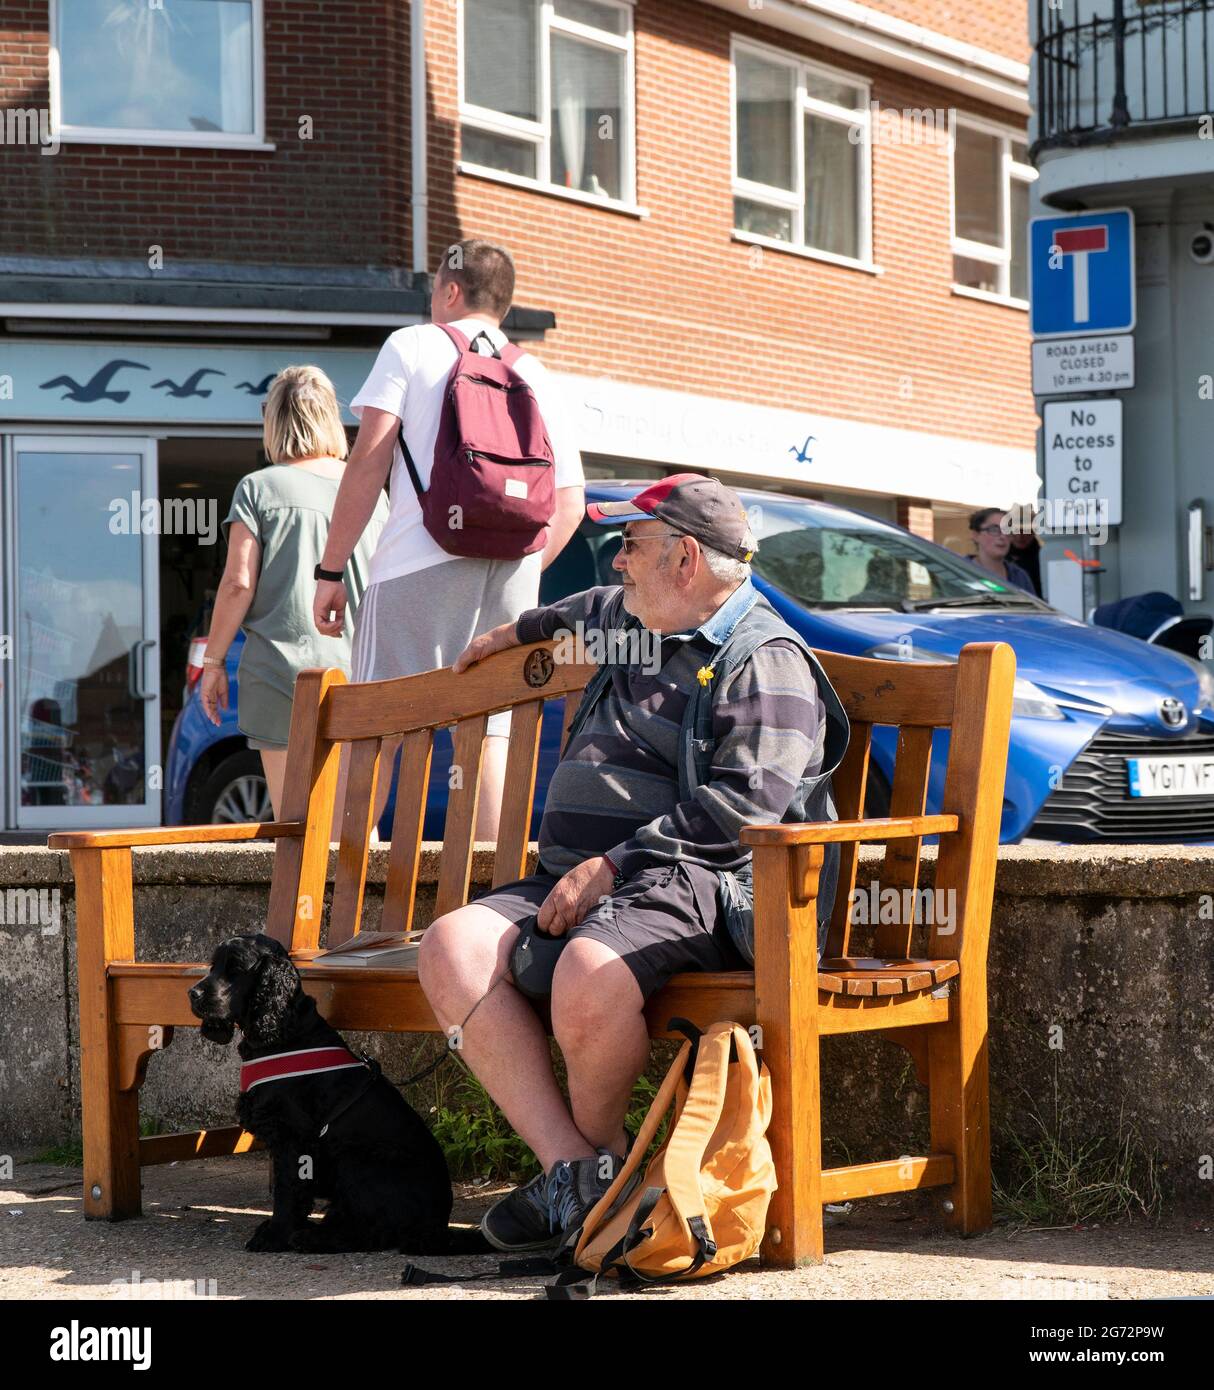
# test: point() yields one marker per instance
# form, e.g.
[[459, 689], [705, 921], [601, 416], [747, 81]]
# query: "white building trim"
[[650, 424], [866, 33]]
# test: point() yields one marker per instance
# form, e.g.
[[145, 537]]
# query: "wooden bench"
[[933, 1002]]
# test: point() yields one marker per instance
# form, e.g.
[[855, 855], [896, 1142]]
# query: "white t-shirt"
[[408, 380]]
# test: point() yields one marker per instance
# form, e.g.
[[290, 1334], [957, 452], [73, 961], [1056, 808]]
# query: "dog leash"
[[377, 1071]]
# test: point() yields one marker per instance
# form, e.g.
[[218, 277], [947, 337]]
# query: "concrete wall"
[[1101, 977]]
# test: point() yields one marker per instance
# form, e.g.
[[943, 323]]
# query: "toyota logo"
[[1172, 712]]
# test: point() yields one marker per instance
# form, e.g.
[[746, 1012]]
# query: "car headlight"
[[1029, 701], [1205, 681]]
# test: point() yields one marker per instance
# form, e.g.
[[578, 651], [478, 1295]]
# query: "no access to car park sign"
[[1081, 274], [1082, 444]]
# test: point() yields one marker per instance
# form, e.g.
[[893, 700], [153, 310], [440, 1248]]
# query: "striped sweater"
[[616, 788]]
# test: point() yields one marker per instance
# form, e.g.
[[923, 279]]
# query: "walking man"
[[423, 606]]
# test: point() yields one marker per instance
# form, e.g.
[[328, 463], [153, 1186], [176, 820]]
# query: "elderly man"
[[710, 713]]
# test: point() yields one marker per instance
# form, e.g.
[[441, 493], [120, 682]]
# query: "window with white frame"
[[546, 92], [185, 71], [991, 177], [801, 154]]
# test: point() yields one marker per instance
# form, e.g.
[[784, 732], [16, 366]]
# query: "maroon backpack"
[[492, 489]]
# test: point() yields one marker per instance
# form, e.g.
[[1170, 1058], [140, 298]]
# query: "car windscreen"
[[829, 559]]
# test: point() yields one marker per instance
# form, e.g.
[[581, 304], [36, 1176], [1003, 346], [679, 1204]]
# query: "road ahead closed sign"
[[1082, 442]]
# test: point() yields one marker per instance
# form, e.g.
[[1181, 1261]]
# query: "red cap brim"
[[613, 513]]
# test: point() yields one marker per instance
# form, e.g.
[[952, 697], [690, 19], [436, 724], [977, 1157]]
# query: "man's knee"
[[461, 946], [594, 995]]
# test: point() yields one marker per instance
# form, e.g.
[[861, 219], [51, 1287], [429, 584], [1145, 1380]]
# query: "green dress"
[[288, 509]]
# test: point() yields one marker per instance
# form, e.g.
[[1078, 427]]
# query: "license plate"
[[1193, 776]]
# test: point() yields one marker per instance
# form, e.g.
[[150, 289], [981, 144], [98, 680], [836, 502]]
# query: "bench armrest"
[[173, 835], [836, 831]]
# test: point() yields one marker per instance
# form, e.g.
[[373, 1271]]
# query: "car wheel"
[[235, 792]]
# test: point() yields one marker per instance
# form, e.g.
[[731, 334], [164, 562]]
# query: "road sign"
[[1082, 443], [1063, 365], [1081, 273]]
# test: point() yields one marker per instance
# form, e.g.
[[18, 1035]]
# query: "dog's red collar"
[[303, 1063]]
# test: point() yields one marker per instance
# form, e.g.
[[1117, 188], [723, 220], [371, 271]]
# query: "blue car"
[[1112, 739]]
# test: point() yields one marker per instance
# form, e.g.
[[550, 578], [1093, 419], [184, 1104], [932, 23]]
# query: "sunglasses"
[[628, 542]]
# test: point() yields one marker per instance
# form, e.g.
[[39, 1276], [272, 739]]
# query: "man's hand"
[[573, 897], [497, 639], [329, 607]]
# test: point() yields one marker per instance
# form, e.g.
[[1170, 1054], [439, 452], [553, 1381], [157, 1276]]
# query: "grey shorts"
[[421, 621], [661, 922]]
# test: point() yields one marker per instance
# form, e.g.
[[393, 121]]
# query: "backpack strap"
[[692, 1132], [462, 345], [686, 1144], [658, 1109]]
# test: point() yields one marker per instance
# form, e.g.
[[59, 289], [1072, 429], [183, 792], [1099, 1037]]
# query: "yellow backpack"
[[701, 1205]]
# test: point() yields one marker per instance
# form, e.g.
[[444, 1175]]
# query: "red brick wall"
[[1000, 25], [670, 300], [339, 198]]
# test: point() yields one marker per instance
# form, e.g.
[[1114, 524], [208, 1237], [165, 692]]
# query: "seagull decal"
[[803, 455], [260, 389], [98, 388], [189, 387]]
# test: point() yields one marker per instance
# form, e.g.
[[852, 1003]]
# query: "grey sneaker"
[[575, 1188], [521, 1220]]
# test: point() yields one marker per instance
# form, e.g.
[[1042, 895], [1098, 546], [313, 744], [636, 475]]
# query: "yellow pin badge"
[[705, 674]]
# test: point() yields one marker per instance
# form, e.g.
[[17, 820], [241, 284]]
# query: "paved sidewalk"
[[198, 1216]]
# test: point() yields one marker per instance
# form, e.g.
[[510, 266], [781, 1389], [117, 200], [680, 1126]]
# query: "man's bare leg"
[[493, 783], [504, 1042], [598, 1021]]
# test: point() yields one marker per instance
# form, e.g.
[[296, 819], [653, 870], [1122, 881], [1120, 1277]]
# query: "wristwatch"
[[334, 576]]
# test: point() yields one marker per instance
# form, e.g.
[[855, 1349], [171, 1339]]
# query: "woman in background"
[[276, 532]]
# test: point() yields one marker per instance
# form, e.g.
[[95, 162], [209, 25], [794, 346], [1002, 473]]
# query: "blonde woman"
[[276, 532]]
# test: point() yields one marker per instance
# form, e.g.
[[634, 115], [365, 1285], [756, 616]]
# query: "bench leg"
[[960, 1112], [794, 1219], [110, 1115], [786, 1007]]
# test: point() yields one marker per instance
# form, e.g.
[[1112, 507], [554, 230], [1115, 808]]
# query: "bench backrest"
[[972, 698]]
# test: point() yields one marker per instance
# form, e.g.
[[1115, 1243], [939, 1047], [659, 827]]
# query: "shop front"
[[117, 465]]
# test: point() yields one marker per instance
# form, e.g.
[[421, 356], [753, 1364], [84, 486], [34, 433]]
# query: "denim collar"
[[718, 628]]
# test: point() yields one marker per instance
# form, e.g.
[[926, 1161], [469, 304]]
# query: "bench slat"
[[455, 869], [849, 784], [436, 699], [518, 795], [357, 821], [901, 868], [408, 823]]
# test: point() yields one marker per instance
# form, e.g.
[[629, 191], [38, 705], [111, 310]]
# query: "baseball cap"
[[690, 503]]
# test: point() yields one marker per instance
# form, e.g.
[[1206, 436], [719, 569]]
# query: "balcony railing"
[[1108, 68]]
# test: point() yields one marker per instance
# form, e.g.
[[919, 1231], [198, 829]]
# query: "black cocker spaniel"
[[335, 1127]]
